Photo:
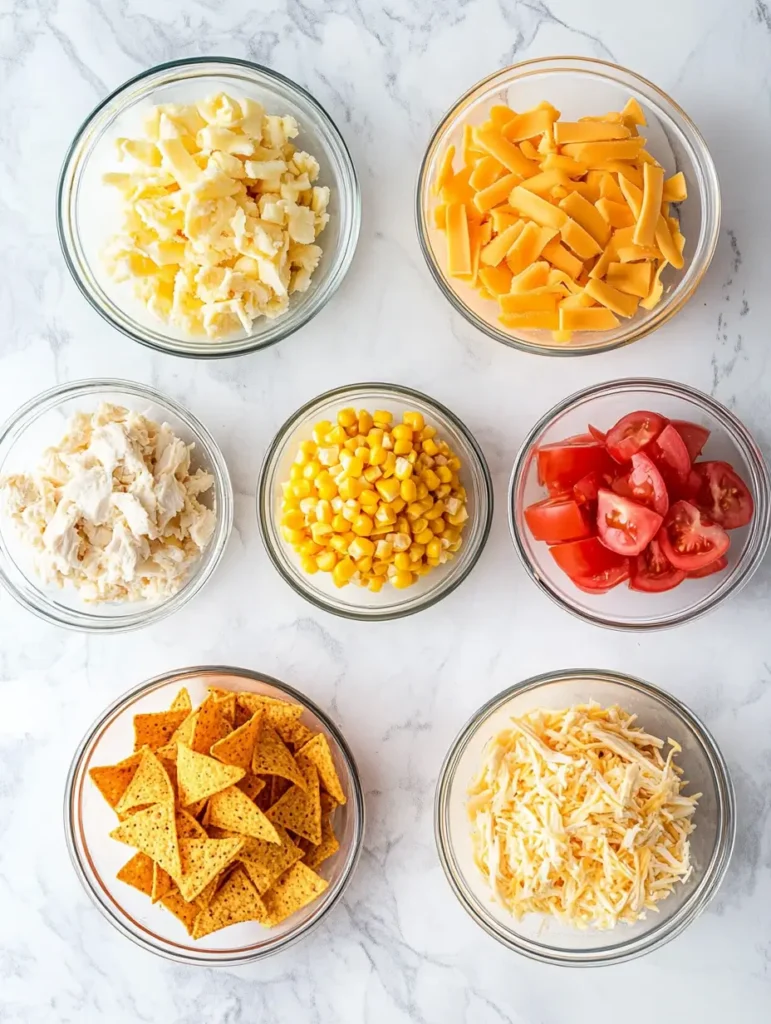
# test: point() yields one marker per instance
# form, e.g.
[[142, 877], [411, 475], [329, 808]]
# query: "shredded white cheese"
[[576, 813]]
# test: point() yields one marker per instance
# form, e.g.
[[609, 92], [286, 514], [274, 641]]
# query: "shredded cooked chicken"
[[578, 814]]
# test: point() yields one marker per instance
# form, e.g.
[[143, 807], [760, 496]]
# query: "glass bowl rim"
[[72, 819], [692, 907], [279, 440], [757, 540], [209, 350], [81, 621], [667, 309]]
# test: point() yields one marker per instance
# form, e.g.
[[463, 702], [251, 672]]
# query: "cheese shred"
[[579, 814]]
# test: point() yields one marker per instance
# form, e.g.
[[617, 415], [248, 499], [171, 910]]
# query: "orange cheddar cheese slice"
[[622, 168], [457, 189], [675, 190], [632, 278], [535, 276], [579, 240], [566, 164], [592, 153], [562, 258], [529, 150], [633, 112], [588, 216], [633, 195], [445, 171], [497, 280], [528, 125], [528, 246], [500, 115], [510, 156], [546, 320], [669, 249], [650, 206], [458, 240], [496, 193], [619, 302], [657, 289], [544, 182], [596, 318], [486, 171], [495, 251], [440, 216], [536, 208], [609, 188], [502, 217], [537, 300], [617, 215], [578, 300], [588, 131]]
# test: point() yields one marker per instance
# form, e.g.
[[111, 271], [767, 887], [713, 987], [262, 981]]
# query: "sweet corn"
[[402, 447], [375, 584], [368, 497], [347, 418], [403, 431], [402, 469], [387, 489], [402, 580], [343, 571], [363, 525], [361, 547], [402, 560], [424, 536], [433, 549], [414, 420], [326, 561], [408, 490], [310, 565], [382, 418]]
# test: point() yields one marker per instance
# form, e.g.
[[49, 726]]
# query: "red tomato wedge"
[[632, 433], [652, 571], [585, 491], [585, 559], [625, 526], [555, 520], [717, 566], [694, 436], [671, 456], [561, 465], [689, 539], [646, 485], [686, 490], [598, 435], [603, 581], [723, 495]]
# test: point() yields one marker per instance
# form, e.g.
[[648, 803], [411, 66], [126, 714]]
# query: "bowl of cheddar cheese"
[[208, 207], [567, 206]]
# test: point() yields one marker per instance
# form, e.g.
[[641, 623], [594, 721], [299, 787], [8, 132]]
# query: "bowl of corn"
[[374, 501]]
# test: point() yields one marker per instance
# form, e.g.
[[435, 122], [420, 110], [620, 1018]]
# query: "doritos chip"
[[156, 728], [317, 751], [162, 883], [199, 776], [238, 746], [272, 756], [265, 862], [196, 808], [227, 708], [188, 827], [209, 727], [150, 785], [278, 713], [138, 872], [202, 860], [299, 810], [252, 785], [236, 901], [233, 810], [328, 803], [182, 701], [314, 856], [179, 907], [112, 780], [278, 787], [206, 895], [295, 889], [295, 734], [154, 832]]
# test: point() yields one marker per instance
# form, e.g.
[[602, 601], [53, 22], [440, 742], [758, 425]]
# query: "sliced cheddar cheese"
[[510, 156], [588, 131], [445, 171], [458, 240], [675, 190], [536, 208], [632, 278], [610, 297], [596, 318], [650, 206]]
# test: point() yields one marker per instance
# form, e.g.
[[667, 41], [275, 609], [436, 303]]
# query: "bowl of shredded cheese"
[[208, 207], [584, 818]]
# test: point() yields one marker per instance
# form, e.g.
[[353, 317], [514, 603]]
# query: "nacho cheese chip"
[[154, 832], [150, 785], [138, 872], [236, 901], [202, 860], [156, 729], [162, 883], [272, 756], [233, 810], [296, 888], [112, 780], [179, 907], [182, 701], [316, 855], [199, 776], [209, 727], [299, 810], [317, 751], [238, 746]]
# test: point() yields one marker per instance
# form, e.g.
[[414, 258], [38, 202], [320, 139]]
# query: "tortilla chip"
[[299, 810], [206, 895], [162, 883], [182, 701], [199, 776], [295, 734], [328, 803], [252, 785], [154, 832], [188, 827], [196, 808], [278, 787], [278, 713], [236, 901], [272, 756], [186, 912], [295, 889], [314, 856], [112, 780], [150, 785], [317, 751], [265, 862], [203, 860], [227, 708], [156, 728], [233, 810], [209, 726], [138, 872], [238, 746]]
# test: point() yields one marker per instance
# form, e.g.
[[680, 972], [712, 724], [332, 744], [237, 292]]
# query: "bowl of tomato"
[[640, 504]]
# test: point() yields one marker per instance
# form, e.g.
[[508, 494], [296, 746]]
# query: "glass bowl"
[[84, 226], [96, 858], [578, 86], [355, 602], [547, 939], [40, 423], [602, 405]]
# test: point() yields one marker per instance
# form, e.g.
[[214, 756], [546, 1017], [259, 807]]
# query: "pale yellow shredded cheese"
[[578, 814]]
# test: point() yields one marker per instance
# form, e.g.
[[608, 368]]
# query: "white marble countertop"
[[399, 948]]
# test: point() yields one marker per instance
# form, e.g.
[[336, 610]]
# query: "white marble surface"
[[399, 948]]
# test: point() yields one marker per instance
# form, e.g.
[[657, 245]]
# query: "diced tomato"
[[556, 519], [625, 526], [598, 435], [632, 433], [653, 572], [646, 485], [585, 559], [671, 456], [686, 490], [723, 495], [563, 464], [585, 491], [691, 540], [603, 581], [694, 435], [717, 566]]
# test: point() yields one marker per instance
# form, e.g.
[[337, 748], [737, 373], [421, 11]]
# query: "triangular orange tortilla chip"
[[299, 810], [227, 708], [182, 701], [317, 751], [199, 775], [162, 883], [154, 832], [150, 785], [252, 785], [314, 856], [138, 872], [265, 862], [155, 729], [279, 713], [236, 901], [273, 757], [210, 726], [188, 827], [180, 908], [238, 746], [233, 810], [295, 889], [112, 780], [203, 860]]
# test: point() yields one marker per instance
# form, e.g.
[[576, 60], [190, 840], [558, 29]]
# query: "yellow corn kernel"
[[326, 561], [451, 535], [362, 452], [309, 565], [342, 572], [430, 447], [414, 510], [402, 469], [401, 541], [408, 490], [380, 529], [398, 505], [338, 543], [414, 420], [309, 547], [363, 525], [424, 536], [430, 479], [377, 456], [336, 435], [381, 418], [419, 525], [324, 512], [402, 580], [422, 490], [320, 532], [302, 488], [375, 584], [402, 561], [351, 463], [340, 523], [311, 469], [380, 568], [365, 421], [375, 437], [295, 520], [459, 518], [454, 463], [433, 548], [364, 565], [372, 473], [390, 464], [385, 515], [384, 549], [353, 437], [295, 472], [416, 552], [427, 432], [438, 526], [361, 547], [301, 457], [402, 432], [308, 447], [454, 547], [292, 536], [350, 488], [347, 417], [433, 562], [351, 511], [444, 491], [402, 446], [444, 474], [387, 489], [432, 511], [422, 569], [368, 497], [320, 431], [327, 490]]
